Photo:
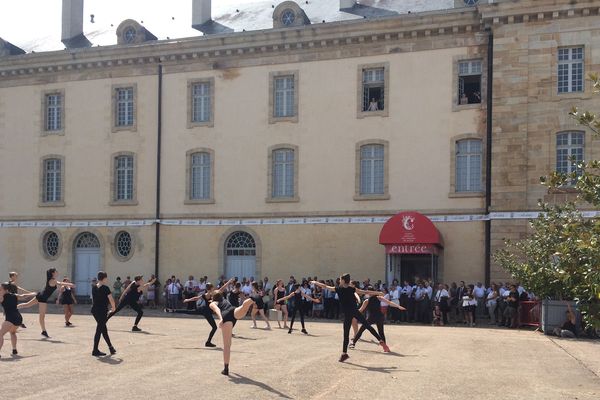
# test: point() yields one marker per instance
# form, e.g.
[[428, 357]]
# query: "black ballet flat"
[[23, 326], [97, 353], [15, 352], [344, 357], [209, 344], [304, 331], [44, 333], [112, 351]]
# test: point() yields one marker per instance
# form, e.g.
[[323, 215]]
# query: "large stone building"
[[278, 139]]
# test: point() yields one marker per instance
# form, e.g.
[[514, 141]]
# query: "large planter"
[[554, 314]]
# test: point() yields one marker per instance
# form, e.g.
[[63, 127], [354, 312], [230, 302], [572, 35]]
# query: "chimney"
[[347, 4], [201, 13], [72, 24]]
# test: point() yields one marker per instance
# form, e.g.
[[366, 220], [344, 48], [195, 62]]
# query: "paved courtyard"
[[169, 359]]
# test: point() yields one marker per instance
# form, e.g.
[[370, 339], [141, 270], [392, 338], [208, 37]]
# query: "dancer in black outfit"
[[101, 298], [234, 295], [12, 279], [259, 308], [372, 306], [67, 298], [9, 300], [42, 297], [228, 316], [297, 294], [278, 294], [348, 305], [202, 308], [130, 297]]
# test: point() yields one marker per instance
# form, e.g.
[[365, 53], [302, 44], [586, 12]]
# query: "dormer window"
[[289, 14], [131, 32], [129, 35], [287, 17]]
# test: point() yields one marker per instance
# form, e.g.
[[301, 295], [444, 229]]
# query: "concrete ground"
[[169, 359]]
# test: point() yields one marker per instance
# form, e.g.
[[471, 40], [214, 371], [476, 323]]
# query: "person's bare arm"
[[125, 292], [310, 298], [363, 306], [215, 308], [322, 285], [225, 285], [390, 303], [369, 292], [69, 284], [149, 283], [284, 299], [195, 298]]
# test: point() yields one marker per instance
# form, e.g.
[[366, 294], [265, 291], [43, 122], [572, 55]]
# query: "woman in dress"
[[279, 293], [42, 297], [259, 305], [9, 300], [13, 277], [67, 298]]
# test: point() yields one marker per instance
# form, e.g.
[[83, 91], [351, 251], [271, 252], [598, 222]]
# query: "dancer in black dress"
[[348, 304], [372, 306], [259, 308], [279, 293], [67, 298], [42, 297], [101, 298], [130, 297], [228, 316], [297, 295], [13, 319], [13, 278], [202, 308]]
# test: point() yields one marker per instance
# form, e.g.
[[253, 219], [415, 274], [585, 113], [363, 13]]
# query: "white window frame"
[[575, 69], [467, 68], [571, 148], [369, 166], [52, 182], [53, 115], [287, 95], [361, 85], [280, 192], [124, 119], [200, 179], [468, 157], [207, 99], [371, 194], [129, 197]]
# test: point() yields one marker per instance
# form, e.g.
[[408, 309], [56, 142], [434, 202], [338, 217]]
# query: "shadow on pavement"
[[383, 370], [138, 333], [243, 380], [46, 340], [110, 360], [16, 358]]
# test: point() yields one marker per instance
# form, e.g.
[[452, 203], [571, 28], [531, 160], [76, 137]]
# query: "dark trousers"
[[297, 309], [206, 313], [101, 329], [412, 309], [134, 306], [348, 316], [378, 321], [403, 303]]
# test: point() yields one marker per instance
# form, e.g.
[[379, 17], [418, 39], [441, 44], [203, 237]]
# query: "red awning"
[[410, 233]]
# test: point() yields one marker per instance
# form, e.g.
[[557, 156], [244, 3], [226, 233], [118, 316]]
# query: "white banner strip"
[[275, 221]]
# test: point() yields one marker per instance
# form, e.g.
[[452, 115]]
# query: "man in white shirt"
[[247, 289], [191, 283], [173, 291], [479, 293], [395, 298]]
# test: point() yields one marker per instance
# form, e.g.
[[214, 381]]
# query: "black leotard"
[[65, 297], [133, 295], [10, 309], [227, 311], [260, 304], [279, 294], [43, 296], [234, 298], [374, 307]]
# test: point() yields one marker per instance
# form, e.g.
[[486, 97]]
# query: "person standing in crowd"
[[441, 300], [479, 293], [405, 291], [234, 294], [117, 288], [491, 303], [127, 282], [469, 305], [348, 305], [42, 297], [188, 293], [453, 292], [173, 291], [267, 288], [101, 298], [151, 292], [512, 307], [568, 329], [306, 304], [130, 298], [420, 305], [396, 298], [66, 297], [412, 303], [384, 304], [317, 307], [428, 300], [460, 311], [279, 293]]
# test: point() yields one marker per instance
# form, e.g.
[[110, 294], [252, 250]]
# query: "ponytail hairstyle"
[[9, 287], [346, 278], [101, 275], [50, 273]]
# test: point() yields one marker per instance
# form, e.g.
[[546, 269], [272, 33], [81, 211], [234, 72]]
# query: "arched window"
[[87, 240], [372, 169], [200, 176], [468, 165], [283, 170], [240, 244], [570, 150]]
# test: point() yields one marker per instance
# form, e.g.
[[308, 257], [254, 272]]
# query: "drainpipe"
[[488, 156], [158, 171]]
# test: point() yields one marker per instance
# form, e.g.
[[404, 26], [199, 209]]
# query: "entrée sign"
[[410, 249]]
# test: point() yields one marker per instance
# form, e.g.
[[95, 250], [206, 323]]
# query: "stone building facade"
[[285, 151]]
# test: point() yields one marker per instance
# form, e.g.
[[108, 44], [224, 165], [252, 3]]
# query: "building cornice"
[[524, 11]]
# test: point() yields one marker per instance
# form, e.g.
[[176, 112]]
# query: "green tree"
[[561, 256]]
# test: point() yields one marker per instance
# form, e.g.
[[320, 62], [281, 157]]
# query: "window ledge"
[[371, 197], [204, 124], [51, 204], [123, 203], [461, 107], [130, 128], [203, 201], [465, 194], [380, 113], [294, 199], [53, 133], [292, 119]]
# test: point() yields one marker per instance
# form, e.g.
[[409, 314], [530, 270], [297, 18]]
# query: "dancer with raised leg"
[[228, 316], [372, 305], [130, 297], [346, 292], [101, 298], [9, 300], [297, 295], [42, 297]]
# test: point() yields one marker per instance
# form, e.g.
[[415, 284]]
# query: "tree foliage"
[[560, 259]]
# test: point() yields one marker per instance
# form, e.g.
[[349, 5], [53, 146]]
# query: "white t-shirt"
[[383, 303], [440, 294]]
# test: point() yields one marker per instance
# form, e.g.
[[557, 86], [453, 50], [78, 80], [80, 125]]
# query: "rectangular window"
[[124, 107], [53, 112], [283, 99], [201, 175], [373, 83], [468, 165], [124, 175], [372, 173], [570, 69], [570, 150], [52, 181], [283, 173], [201, 98], [469, 82]]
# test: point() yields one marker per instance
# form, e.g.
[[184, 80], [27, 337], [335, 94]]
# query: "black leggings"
[[134, 306], [101, 329], [372, 320], [348, 315], [207, 313], [299, 310]]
